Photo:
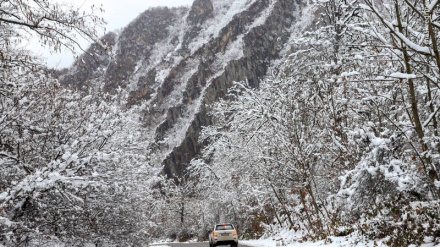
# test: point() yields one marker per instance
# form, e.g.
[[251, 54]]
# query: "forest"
[[342, 136]]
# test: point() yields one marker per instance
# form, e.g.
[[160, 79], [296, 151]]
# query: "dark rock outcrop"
[[200, 11], [262, 44]]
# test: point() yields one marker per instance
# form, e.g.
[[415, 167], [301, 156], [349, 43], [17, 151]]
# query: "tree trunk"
[[432, 174]]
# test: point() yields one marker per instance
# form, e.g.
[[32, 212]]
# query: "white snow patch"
[[6, 222], [403, 75], [224, 12], [351, 73], [3, 196], [262, 18], [409, 43]]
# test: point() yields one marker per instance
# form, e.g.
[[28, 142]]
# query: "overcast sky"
[[118, 13]]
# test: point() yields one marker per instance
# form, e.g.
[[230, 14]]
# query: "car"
[[223, 234]]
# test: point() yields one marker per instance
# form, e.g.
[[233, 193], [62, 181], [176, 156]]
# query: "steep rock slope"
[[182, 60]]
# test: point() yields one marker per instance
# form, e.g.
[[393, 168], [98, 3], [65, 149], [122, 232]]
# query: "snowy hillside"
[[181, 72]]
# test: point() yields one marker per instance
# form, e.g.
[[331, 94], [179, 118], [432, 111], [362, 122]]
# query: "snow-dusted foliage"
[[73, 165], [55, 24], [343, 136]]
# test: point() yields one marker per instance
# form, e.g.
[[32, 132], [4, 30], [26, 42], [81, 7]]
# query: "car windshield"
[[224, 227]]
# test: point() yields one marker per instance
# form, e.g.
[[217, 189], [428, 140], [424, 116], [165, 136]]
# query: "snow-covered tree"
[[73, 165], [56, 25], [345, 129]]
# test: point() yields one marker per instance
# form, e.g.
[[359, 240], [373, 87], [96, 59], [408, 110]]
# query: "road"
[[203, 244]]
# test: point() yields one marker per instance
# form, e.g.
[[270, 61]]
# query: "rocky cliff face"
[[182, 60]]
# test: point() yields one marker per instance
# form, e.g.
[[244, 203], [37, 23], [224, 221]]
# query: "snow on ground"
[[335, 242], [352, 241], [292, 241]]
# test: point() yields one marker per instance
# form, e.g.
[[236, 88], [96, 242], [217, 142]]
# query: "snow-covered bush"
[[402, 220], [68, 163]]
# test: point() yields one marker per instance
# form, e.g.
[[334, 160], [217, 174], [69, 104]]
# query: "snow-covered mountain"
[[182, 60]]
